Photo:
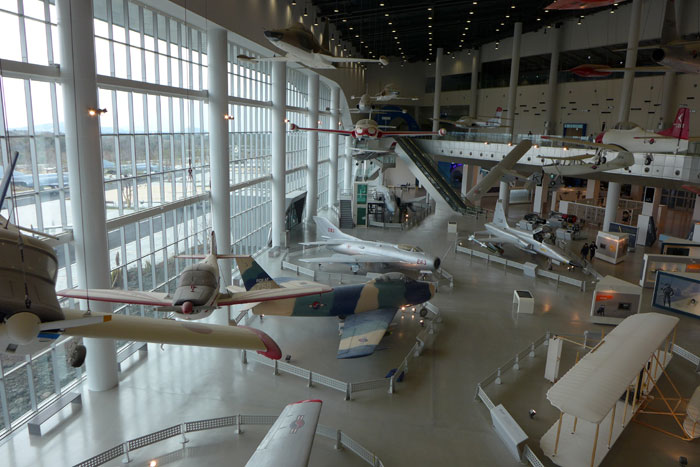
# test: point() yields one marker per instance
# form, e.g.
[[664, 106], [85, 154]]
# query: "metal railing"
[[124, 449], [424, 338]]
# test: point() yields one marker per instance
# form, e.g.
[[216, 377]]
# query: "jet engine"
[[23, 328]]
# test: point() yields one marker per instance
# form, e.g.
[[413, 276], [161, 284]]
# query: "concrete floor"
[[431, 420]]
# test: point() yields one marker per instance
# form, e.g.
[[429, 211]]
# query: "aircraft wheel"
[[341, 317], [648, 160], [77, 356], [423, 312], [603, 160]]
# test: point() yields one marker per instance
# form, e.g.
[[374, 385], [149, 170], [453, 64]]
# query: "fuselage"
[[576, 167], [393, 290], [197, 290], [407, 257], [638, 140], [681, 58]]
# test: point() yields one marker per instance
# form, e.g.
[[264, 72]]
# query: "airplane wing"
[[134, 297], [363, 331], [443, 120], [590, 144], [579, 157], [166, 331], [278, 58], [265, 295], [375, 151], [441, 132], [322, 130], [289, 440], [331, 58], [340, 258], [323, 243]]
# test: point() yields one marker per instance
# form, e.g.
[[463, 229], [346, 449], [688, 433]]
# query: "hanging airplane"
[[386, 94], [31, 317], [365, 153], [583, 164], [391, 201], [369, 129], [629, 137], [498, 233], [197, 293], [300, 45], [469, 122], [352, 250], [366, 309], [672, 54], [288, 442], [579, 4]]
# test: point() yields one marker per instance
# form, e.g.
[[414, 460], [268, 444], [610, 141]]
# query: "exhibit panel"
[[666, 263], [614, 300], [677, 291], [612, 246]]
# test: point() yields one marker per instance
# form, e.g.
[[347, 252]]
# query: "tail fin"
[[499, 215], [254, 277], [497, 118], [669, 32], [325, 230], [679, 129], [212, 244]]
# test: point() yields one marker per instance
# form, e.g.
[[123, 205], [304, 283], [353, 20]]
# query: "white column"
[[514, 71], [540, 200], [347, 171], [504, 196], [630, 62], [333, 170], [611, 202], [592, 189], [696, 209], [279, 135], [474, 96], [219, 148], [79, 88], [555, 40], [312, 151], [465, 180], [438, 90]]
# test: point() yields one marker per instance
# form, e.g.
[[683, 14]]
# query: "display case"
[[678, 292], [666, 263], [679, 246], [614, 300], [612, 246]]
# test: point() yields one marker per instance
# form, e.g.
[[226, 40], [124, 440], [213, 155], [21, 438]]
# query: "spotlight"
[[532, 413], [153, 463], [92, 112], [228, 117]]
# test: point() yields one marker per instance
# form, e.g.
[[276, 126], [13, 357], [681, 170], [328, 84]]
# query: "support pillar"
[[83, 151], [611, 202], [553, 83], [465, 180], [540, 201], [279, 130], [504, 196], [347, 171], [592, 189], [217, 45], [630, 62], [312, 151], [514, 71], [333, 155], [474, 96], [438, 90]]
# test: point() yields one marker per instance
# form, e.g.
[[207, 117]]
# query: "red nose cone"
[[187, 308], [599, 138]]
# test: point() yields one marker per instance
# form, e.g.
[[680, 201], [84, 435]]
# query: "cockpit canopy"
[[199, 277], [625, 126], [410, 248]]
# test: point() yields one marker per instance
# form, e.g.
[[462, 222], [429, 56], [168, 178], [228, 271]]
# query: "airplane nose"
[[436, 263], [274, 35], [187, 308]]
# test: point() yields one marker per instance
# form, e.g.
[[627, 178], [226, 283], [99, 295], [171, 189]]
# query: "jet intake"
[[436, 263], [274, 35], [23, 327], [658, 55]]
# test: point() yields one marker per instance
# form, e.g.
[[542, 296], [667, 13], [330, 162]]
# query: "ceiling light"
[[386, 14], [430, 9], [512, 6], [294, 3], [430, 17], [471, 12], [381, 4], [305, 12], [336, 11]]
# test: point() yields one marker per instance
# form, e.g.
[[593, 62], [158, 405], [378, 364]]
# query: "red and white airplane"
[[629, 137], [579, 4], [369, 129]]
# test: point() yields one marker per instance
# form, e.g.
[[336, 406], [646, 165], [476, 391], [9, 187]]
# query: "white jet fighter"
[[629, 137], [369, 129], [197, 293], [352, 250], [469, 122], [301, 46], [388, 93], [498, 232]]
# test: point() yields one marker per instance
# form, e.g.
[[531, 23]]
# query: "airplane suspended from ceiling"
[[31, 317], [301, 46], [494, 121], [672, 54], [579, 4], [197, 293], [583, 164], [629, 137], [388, 93], [370, 129]]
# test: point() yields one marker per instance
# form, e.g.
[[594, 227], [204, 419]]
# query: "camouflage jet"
[[367, 308]]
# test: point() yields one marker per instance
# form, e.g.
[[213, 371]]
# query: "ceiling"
[[414, 30]]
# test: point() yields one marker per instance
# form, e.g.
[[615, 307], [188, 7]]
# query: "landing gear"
[[648, 159], [355, 268], [77, 356], [423, 312]]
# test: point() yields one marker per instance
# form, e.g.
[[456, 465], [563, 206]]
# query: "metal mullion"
[[137, 226], [167, 47], [151, 241], [54, 366], [135, 197], [49, 39], [126, 39], [110, 36], [179, 54], [22, 31], [30, 380], [142, 51], [154, 17]]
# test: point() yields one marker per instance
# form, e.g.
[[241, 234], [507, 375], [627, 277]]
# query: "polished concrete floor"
[[433, 418]]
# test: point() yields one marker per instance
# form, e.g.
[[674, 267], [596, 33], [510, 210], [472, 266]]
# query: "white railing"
[[124, 449], [424, 339], [514, 264]]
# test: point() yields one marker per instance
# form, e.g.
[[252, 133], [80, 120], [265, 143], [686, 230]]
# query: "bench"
[[34, 423]]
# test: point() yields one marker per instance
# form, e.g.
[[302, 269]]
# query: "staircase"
[[424, 168], [345, 219]]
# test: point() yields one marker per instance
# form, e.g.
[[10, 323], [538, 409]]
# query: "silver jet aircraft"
[[498, 232], [301, 46], [352, 250]]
